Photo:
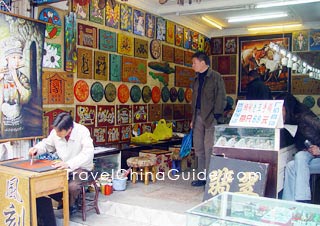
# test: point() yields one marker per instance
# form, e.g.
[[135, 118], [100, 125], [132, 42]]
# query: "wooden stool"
[[141, 166], [89, 203]]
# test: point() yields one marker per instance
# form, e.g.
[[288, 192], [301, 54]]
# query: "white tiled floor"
[[161, 203]]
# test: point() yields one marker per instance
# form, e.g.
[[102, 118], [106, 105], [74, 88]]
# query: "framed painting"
[[207, 46], [126, 18], [230, 45], [150, 25], [107, 40], [178, 56], [113, 134], [187, 39], [167, 53], [112, 15], [195, 40], [86, 115], [22, 43], [300, 41], [101, 65], [188, 58], [139, 22], [115, 67], [140, 113], [87, 35], [125, 133], [314, 42], [178, 35], [84, 63], [167, 111], [106, 115], [99, 135], [52, 56], [140, 48], [255, 53], [170, 32], [96, 14], [201, 43], [134, 70], [216, 46], [184, 76], [81, 9], [124, 114], [70, 42], [161, 29], [125, 44], [154, 112], [52, 18]]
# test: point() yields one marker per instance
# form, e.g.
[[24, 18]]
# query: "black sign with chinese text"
[[233, 175]]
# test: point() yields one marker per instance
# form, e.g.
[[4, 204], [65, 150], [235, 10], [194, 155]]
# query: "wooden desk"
[[19, 190]]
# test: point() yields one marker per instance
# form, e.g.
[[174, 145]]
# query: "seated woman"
[[307, 159]]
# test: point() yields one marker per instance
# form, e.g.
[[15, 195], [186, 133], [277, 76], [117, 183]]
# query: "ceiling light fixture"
[[284, 3], [213, 23], [257, 17], [216, 10], [285, 26]]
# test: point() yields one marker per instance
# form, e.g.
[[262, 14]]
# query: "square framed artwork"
[[126, 17], [106, 115], [178, 56], [115, 67], [161, 29], [167, 53], [86, 115], [187, 39], [179, 35], [96, 14], [99, 135], [216, 46], [230, 45], [87, 36], [195, 40], [124, 114], [150, 25], [170, 32], [139, 22], [107, 40], [112, 15], [101, 60], [84, 63], [125, 44], [113, 134], [314, 37], [140, 48]]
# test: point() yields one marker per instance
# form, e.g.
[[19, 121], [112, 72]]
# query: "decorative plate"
[[309, 101], [81, 90], [135, 93], [165, 94], [156, 94], [155, 48], [123, 93], [110, 92], [188, 95], [97, 91], [180, 94], [146, 94], [173, 94]]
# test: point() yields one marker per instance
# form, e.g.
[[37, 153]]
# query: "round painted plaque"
[[173, 94], [146, 94], [97, 91], [135, 93], [155, 48], [180, 94], [309, 101], [188, 95], [81, 90], [165, 94], [123, 93], [156, 94], [110, 92]]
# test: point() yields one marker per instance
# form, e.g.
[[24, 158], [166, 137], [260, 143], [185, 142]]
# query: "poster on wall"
[[255, 53], [20, 77]]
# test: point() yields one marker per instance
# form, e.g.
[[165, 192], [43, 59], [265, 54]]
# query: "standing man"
[[73, 145], [208, 103], [256, 89]]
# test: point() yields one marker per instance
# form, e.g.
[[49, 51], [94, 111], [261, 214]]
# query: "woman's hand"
[[314, 150], [33, 151], [60, 165]]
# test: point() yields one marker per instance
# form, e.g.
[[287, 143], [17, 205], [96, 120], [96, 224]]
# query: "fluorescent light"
[[213, 23], [215, 10], [284, 3], [257, 17], [285, 26]]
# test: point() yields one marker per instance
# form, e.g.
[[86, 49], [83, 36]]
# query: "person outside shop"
[[307, 159], [256, 89], [208, 103]]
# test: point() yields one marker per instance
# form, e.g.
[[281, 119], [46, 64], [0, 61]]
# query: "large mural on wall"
[[21, 51]]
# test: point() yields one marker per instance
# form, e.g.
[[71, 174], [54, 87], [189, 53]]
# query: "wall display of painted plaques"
[[179, 35], [70, 42], [303, 84], [135, 93], [97, 91], [167, 53], [106, 115], [115, 67], [99, 135], [126, 18], [161, 29], [146, 94], [178, 56], [138, 22], [184, 76], [113, 134], [107, 40], [230, 84], [125, 44], [57, 88], [123, 93], [87, 35], [124, 114], [170, 32], [84, 64], [134, 70], [150, 25], [52, 56], [96, 14], [167, 111], [110, 92], [125, 133], [101, 65], [81, 8], [188, 58], [86, 115], [154, 112], [112, 15], [140, 48], [81, 90], [165, 94], [178, 111], [140, 113], [155, 94]]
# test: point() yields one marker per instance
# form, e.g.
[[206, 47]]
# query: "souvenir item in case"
[[135, 93], [123, 93], [156, 94], [146, 94], [173, 94], [165, 94], [97, 91], [180, 94], [110, 92], [81, 90]]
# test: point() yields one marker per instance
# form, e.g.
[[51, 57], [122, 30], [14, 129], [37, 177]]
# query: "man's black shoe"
[[198, 183]]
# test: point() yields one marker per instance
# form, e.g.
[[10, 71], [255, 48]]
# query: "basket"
[[119, 184]]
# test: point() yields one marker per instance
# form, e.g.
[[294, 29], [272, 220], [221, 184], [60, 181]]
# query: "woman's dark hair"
[[63, 121], [202, 57], [292, 106]]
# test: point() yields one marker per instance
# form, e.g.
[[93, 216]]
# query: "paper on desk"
[[292, 129], [102, 149]]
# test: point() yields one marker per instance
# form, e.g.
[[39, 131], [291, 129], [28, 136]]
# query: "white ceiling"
[[308, 14]]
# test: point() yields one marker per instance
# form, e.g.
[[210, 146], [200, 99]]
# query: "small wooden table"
[[20, 188]]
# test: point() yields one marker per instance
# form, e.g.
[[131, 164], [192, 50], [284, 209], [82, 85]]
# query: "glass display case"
[[246, 137], [239, 209]]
